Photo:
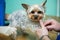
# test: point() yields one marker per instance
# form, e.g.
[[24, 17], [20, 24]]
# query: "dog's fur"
[[7, 33], [34, 14], [28, 22]]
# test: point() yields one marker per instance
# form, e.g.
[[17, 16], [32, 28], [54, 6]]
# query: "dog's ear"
[[44, 3], [25, 6]]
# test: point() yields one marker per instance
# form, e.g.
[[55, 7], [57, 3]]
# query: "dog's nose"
[[35, 16]]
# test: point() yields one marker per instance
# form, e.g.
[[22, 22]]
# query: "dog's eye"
[[32, 12], [39, 12]]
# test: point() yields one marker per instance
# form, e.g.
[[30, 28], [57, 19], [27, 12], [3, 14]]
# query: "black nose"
[[35, 16]]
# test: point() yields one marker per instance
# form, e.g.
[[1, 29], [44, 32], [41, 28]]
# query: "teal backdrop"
[[14, 5]]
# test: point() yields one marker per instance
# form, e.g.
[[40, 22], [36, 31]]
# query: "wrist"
[[45, 37]]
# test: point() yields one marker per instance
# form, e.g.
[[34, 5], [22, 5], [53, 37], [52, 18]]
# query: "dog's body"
[[24, 24], [27, 21], [20, 19]]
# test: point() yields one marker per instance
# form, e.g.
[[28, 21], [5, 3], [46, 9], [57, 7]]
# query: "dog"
[[27, 21]]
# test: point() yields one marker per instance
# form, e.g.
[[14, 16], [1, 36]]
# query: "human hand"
[[52, 25], [43, 31]]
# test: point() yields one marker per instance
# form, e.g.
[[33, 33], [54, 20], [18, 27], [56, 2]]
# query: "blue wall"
[[2, 12], [13, 5]]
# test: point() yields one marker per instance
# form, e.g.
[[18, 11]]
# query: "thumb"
[[41, 23]]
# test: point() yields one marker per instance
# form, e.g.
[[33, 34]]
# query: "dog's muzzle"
[[35, 16]]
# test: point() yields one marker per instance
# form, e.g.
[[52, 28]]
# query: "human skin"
[[52, 25], [42, 32]]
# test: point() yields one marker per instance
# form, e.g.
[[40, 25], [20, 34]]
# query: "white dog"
[[27, 21]]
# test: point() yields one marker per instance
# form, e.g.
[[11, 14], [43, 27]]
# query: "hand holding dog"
[[43, 31]]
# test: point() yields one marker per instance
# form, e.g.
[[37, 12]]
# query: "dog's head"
[[35, 12]]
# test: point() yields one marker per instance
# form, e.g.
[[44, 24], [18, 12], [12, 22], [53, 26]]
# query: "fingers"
[[48, 22], [50, 28], [41, 23]]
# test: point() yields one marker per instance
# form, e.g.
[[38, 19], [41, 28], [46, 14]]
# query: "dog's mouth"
[[36, 18]]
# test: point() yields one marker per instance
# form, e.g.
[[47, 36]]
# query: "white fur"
[[22, 21], [35, 6]]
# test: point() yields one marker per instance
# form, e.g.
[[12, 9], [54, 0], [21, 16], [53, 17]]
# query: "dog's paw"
[[8, 30]]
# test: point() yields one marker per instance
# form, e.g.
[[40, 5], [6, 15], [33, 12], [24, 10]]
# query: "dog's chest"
[[30, 24]]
